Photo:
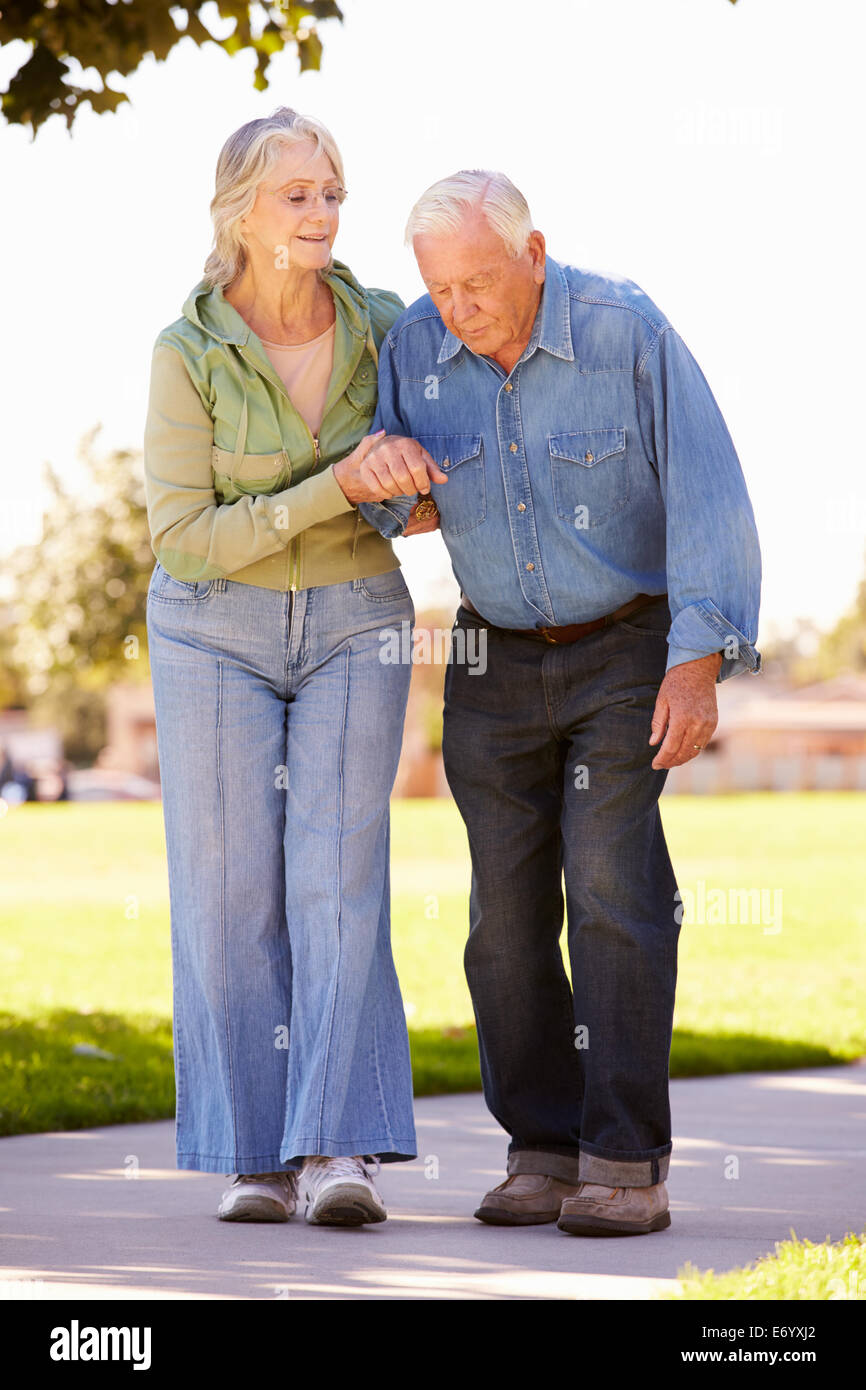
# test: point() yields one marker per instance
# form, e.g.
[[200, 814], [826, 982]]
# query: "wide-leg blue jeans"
[[279, 731], [548, 757]]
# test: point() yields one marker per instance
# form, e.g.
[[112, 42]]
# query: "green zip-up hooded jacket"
[[236, 485]]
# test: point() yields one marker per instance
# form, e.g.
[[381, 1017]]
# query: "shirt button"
[[588, 457], [521, 506], [530, 566], [508, 386], [513, 448], [445, 462]]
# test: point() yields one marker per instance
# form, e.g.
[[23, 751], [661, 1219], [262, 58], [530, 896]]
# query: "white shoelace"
[[288, 1176], [343, 1167]]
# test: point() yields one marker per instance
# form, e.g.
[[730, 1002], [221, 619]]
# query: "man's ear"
[[537, 249]]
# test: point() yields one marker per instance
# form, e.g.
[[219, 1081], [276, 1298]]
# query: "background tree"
[[843, 648], [13, 692], [809, 655], [791, 657], [80, 597], [114, 37]]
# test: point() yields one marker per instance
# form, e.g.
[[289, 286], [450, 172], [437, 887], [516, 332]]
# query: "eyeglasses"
[[305, 198]]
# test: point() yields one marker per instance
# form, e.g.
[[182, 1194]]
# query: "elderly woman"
[[278, 725]]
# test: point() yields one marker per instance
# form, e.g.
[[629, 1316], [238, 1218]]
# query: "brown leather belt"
[[571, 632]]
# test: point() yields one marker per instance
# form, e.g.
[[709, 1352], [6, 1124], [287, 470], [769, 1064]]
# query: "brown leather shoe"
[[525, 1199], [615, 1211]]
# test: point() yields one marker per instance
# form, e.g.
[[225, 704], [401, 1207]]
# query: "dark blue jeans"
[[547, 756]]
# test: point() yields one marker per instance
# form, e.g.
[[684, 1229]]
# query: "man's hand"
[[386, 465], [686, 707], [416, 526]]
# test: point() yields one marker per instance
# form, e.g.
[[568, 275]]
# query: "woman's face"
[[296, 214]]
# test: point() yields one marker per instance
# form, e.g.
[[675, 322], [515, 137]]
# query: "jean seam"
[[243, 1158], [179, 1091], [223, 870], [339, 846], [382, 1102]]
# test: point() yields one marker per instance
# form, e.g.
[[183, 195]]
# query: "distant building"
[[130, 721], [778, 739], [27, 743], [769, 737]]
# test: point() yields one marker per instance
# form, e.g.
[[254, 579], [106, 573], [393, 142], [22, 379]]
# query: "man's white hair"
[[443, 206]]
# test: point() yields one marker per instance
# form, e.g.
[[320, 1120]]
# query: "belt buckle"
[[554, 641]]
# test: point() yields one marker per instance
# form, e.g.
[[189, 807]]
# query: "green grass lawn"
[[798, 1269], [84, 948]]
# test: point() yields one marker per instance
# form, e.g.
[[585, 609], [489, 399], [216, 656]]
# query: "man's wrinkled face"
[[486, 297]]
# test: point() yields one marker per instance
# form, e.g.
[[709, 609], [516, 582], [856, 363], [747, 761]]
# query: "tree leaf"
[[115, 38]]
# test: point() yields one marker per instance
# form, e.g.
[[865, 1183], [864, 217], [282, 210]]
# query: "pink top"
[[305, 371]]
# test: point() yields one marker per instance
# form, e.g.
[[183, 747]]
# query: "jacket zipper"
[[296, 543], [294, 546]]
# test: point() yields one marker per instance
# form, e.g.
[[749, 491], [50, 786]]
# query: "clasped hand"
[[386, 465]]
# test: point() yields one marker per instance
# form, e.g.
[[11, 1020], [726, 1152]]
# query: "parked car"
[[107, 784]]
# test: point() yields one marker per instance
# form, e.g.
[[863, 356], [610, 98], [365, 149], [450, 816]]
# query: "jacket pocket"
[[590, 475], [362, 391], [462, 501], [255, 473]]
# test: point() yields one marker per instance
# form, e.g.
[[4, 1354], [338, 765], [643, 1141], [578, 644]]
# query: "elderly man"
[[601, 532]]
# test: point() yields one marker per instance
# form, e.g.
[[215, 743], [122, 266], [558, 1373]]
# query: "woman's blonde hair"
[[244, 162]]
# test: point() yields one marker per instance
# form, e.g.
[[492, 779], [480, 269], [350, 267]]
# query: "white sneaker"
[[260, 1197], [340, 1192]]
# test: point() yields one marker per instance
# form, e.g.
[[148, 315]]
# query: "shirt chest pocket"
[[590, 475], [462, 501], [253, 473], [362, 390]]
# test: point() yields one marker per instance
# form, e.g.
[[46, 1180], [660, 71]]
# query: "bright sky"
[[708, 151]]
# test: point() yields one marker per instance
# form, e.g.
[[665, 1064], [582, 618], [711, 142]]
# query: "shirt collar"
[[552, 327]]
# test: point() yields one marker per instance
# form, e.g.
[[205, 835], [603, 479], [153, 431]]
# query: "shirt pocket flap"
[[252, 468], [450, 450], [587, 447], [361, 392]]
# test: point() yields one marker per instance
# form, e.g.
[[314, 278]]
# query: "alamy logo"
[[75, 1343], [734, 906], [428, 646]]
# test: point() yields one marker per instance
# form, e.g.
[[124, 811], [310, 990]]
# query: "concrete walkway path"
[[104, 1213]]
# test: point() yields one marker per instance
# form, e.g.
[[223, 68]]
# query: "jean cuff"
[[550, 1165], [616, 1172]]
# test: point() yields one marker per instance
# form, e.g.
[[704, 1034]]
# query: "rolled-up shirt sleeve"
[[388, 517], [713, 557]]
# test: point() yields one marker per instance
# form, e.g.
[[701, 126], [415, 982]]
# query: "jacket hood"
[[207, 308]]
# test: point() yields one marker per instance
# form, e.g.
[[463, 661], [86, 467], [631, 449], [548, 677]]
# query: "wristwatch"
[[426, 508]]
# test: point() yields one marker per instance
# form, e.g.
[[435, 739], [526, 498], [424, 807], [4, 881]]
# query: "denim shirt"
[[600, 467]]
